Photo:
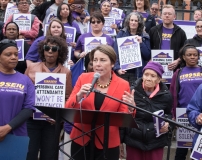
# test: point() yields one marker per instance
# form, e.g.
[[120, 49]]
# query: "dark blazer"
[[116, 89]]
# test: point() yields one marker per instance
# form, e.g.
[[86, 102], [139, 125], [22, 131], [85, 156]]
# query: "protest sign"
[[158, 122], [107, 26], [129, 52], [200, 53], [116, 13], [197, 151], [164, 57], [23, 21], [10, 10], [184, 137], [50, 91], [20, 44], [92, 42]]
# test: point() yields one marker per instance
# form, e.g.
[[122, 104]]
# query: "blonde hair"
[[168, 6]]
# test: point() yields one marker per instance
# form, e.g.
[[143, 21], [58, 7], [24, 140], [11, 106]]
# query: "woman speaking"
[[103, 58]]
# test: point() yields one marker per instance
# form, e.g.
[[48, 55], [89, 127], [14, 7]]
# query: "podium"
[[105, 119]]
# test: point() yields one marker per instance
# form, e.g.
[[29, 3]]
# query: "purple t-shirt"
[[32, 53], [16, 93], [166, 37], [80, 42], [144, 15], [190, 78]]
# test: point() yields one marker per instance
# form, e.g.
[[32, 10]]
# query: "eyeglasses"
[[53, 48], [197, 27], [113, 4], [93, 22], [6, 41], [23, 3], [154, 9]]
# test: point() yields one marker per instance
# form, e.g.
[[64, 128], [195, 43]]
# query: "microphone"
[[96, 76]]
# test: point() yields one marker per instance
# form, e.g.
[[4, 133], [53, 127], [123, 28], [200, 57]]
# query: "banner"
[[197, 151], [164, 57], [23, 21], [92, 42], [10, 10], [184, 137], [129, 52], [20, 44], [50, 91]]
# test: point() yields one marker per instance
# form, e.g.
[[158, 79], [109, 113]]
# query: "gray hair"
[[140, 22]]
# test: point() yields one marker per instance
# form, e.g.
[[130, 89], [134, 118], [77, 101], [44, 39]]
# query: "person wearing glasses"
[[47, 10], [115, 4], [141, 6], [55, 28], [16, 95], [168, 35], [133, 26], [53, 54], [29, 35], [183, 87], [96, 22], [154, 11], [197, 39], [12, 33]]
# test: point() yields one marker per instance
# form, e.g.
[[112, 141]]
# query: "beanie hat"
[[155, 66], [5, 43]]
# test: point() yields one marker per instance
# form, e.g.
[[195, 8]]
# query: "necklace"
[[104, 86]]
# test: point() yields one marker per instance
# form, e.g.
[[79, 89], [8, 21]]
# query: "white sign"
[[23, 21], [50, 91], [92, 42], [164, 57], [197, 151], [107, 26], [129, 52], [158, 122], [116, 13], [184, 136], [10, 10]]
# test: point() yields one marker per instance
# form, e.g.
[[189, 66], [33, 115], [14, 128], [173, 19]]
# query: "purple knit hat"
[[155, 66]]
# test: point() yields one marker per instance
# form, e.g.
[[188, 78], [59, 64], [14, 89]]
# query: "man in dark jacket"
[[168, 35]]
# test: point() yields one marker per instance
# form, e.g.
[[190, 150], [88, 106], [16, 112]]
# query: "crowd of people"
[[46, 50]]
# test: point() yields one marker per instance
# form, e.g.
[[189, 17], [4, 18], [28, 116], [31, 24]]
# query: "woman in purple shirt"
[[64, 14], [184, 83], [97, 22], [16, 93]]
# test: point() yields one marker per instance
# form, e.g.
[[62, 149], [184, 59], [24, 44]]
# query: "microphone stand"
[[135, 107], [165, 119]]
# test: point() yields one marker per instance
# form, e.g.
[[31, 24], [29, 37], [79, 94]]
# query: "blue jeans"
[[42, 137]]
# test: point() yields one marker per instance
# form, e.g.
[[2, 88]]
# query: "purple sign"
[[20, 44], [70, 33]]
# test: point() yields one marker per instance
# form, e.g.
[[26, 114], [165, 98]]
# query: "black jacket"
[[149, 23], [177, 40], [144, 137], [196, 41], [40, 11]]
